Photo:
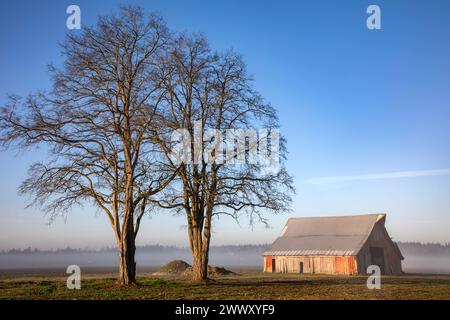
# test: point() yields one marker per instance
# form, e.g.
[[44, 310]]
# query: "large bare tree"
[[202, 90], [93, 124]]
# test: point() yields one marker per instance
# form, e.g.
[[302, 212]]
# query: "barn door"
[[301, 267], [273, 265], [377, 258]]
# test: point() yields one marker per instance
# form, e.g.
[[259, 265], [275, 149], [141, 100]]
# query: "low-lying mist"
[[419, 258]]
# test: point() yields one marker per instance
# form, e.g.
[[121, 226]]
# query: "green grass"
[[244, 286]]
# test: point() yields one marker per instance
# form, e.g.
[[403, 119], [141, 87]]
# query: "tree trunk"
[[127, 250], [205, 243], [127, 267], [200, 265], [200, 239]]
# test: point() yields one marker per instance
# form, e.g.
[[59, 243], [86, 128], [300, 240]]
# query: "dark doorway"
[[377, 258], [273, 265], [301, 267]]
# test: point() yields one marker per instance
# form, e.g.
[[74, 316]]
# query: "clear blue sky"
[[352, 102]]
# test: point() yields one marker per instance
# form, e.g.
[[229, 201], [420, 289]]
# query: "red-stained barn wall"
[[345, 265]]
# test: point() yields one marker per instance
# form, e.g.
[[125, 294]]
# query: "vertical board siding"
[[268, 264], [340, 265], [345, 265]]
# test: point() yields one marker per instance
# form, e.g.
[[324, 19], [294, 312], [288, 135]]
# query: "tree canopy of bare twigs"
[[126, 86], [93, 123], [203, 90]]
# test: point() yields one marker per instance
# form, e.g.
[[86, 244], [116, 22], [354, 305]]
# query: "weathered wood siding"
[[379, 238], [345, 265]]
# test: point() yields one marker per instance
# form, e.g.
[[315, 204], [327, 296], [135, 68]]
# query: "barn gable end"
[[379, 238]]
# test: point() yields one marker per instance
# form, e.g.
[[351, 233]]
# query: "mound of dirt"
[[182, 268], [212, 271], [175, 267]]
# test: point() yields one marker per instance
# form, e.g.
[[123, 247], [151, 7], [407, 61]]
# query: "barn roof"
[[337, 235]]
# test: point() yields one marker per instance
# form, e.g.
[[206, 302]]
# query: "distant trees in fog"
[[407, 248]]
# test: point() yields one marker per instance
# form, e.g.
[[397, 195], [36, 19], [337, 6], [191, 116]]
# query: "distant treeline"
[[424, 249], [156, 248], [407, 248]]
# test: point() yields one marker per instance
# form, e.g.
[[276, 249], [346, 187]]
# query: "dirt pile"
[[175, 267], [182, 268], [212, 271]]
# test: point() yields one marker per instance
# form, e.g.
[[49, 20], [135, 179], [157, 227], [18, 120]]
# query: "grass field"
[[246, 285]]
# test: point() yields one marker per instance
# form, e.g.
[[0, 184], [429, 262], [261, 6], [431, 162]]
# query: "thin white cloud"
[[379, 176]]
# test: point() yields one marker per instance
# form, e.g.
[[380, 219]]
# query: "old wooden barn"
[[334, 245]]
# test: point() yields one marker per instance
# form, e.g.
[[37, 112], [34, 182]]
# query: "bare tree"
[[203, 90], [93, 124]]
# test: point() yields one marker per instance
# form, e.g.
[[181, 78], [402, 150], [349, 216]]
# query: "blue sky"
[[352, 102]]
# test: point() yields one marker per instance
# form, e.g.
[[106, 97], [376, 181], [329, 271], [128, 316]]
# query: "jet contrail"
[[378, 176]]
